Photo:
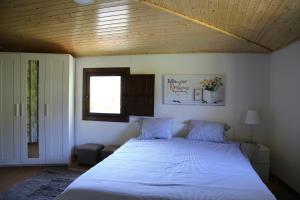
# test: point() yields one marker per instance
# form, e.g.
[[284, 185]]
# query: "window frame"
[[86, 114]]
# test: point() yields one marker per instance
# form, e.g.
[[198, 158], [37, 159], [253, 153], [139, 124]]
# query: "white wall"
[[285, 112], [247, 85]]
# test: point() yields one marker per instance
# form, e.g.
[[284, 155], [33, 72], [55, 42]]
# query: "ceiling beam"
[[205, 24]]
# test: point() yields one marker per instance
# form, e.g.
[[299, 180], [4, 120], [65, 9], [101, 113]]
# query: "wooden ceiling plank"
[[277, 24], [293, 30], [24, 3], [45, 11], [129, 36], [91, 26], [205, 11], [258, 18], [227, 16], [170, 46], [194, 7], [251, 10], [176, 40], [179, 44], [212, 8], [290, 20], [84, 19], [273, 14], [222, 11], [143, 50], [74, 15], [173, 41], [146, 31], [263, 22], [241, 13], [206, 25], [125, 26], [234, 4], [33, 7], [132, 35]]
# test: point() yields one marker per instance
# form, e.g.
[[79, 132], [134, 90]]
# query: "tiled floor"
[[13, 175]]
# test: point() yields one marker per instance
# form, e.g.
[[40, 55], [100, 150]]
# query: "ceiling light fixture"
[[84, 2]]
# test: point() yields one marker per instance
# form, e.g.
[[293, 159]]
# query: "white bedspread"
[[174, 169]]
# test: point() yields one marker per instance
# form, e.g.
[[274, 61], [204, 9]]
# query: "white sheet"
[[174, 169]]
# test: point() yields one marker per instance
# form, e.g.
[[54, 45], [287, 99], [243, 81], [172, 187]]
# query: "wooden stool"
[[89, 154], [108, 150]]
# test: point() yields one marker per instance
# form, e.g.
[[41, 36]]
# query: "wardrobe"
[[36, 108]]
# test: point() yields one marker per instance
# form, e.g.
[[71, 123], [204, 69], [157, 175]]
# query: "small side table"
[[89, 154], [261, 162], [108, 150]]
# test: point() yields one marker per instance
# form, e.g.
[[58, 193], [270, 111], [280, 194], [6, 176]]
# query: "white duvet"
[[174, 169]]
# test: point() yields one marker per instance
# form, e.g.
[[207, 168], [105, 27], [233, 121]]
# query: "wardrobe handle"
[[46, 110], [17, 110], [21, 109]]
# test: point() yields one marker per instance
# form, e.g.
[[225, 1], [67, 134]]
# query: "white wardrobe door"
[[56, 66], [32, 114], [9, 108]]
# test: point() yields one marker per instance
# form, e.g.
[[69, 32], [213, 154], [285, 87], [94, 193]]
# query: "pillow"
[[160, 128], [206, 131]]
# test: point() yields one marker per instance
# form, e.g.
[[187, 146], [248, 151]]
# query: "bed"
[[176, 169]]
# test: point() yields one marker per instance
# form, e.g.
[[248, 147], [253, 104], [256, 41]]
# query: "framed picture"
[[202, 89], [198, 94]]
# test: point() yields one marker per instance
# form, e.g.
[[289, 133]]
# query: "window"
[[111, 101], [104, 94]]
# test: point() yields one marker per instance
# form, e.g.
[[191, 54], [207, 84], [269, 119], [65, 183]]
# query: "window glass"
[[105, 94]]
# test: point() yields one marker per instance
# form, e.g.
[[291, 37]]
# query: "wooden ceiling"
[[118, 27]]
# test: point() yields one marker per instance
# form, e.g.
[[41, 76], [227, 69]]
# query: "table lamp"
[[252, 119]]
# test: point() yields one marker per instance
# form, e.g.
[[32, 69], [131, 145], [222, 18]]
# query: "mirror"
[[32, 108]]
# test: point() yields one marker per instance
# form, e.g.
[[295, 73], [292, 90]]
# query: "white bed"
[[176, 169]]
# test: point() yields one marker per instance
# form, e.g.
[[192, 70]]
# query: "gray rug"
[[44, 186]]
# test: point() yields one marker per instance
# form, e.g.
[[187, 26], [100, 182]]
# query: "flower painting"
[[194, 89], [212, 84]]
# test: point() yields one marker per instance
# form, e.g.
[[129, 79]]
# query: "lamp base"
[[251, 136]]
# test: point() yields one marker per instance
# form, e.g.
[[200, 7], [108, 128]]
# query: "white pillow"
[[206, 131], [156, 128]]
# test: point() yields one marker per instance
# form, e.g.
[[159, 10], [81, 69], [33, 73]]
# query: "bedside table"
[[261, 162], [108, 150]]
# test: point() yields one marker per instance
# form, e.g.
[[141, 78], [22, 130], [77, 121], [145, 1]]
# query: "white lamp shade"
[[252, 117]]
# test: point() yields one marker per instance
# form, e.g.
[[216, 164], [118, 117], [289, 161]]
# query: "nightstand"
[[108, 150], [261, 162]]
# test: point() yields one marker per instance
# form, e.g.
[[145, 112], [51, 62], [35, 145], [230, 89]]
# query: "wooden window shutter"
[[140, 94]]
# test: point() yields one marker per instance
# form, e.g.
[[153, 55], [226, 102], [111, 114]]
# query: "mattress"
[[176, 169]]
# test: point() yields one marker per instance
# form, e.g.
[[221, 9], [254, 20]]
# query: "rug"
[[44, 186]]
